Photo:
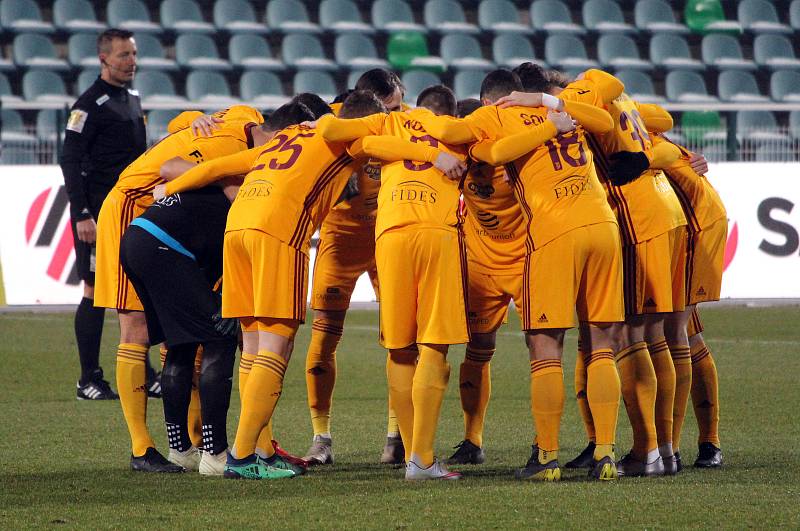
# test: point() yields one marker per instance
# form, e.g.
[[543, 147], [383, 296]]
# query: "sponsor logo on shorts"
[[414, 192], [542, 319], [572, 186], [650, 303], [701, 291]]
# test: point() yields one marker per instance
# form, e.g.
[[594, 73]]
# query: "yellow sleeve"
[[664, 154], [592, 118], [655, 117], [448, 129], [392, 149], [512, 147], [213, 170], [182, 121], [608, 86], [335, 129], [240, 113]]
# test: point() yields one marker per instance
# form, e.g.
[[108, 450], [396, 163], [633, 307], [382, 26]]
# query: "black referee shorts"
[[177, 298], [84, 258]]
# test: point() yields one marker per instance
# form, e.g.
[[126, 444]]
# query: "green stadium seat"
[[156, 86], [759, 16], [707, 16], [23, 16], [342, 16], [467, 83], [620, 51], [76, 16], [447, 17], [501, 16], [394, 16], [724, 52], [409, 49], [208, 87], [44, 86], [553, 16], [702, 127], [785, 86], [305, 52], [461, 52], [290, 16], [184, 16], [197, 51], [262, 89], [656, 16], [416, 81], [250, 51], [32, 50], [131, 15], [320, 83], [157, 122], [357, 51], [739, 86], [237, 17], [6, 94], [687, 86], [82, 49], [567, 52], [88, 76], [510, 50], [605, 16], [151, 54], [672, 52], [639, 86], [775, 51]]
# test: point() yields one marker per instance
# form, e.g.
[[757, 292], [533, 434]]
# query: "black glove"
[[227, 327], [626, 166]]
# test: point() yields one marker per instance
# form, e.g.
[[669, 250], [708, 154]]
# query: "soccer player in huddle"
[[131, 195]]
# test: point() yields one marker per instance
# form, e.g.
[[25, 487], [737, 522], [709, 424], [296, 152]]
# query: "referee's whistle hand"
[[87, 230]]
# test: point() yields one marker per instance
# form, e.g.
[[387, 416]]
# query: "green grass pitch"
[[64, 463]]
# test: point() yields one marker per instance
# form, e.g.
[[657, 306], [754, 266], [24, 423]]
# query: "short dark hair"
[[534, 78], [316, 104], [379, 81], [343, 96], [439, 99], [558, 79], [291, 113], [105, 38], [467, 106], [361, 103], [499, 83]]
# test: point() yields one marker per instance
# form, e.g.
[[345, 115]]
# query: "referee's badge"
[[77, 119]]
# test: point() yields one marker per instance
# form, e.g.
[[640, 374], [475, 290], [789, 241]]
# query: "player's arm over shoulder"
[[451, 130], [213, 170], [391, 148], [499, 151], [655, 117], [603, 88], [334, 129], [665, 153]]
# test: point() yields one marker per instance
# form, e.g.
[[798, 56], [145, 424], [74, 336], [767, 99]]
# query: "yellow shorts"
[[423, 287], [263, 277], [695, 325], [581, 271], [341, 259], [112, 289], [489, 297], [655, 274], [705, 253]]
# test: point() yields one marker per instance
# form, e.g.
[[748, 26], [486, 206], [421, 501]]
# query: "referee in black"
[[105, 132]]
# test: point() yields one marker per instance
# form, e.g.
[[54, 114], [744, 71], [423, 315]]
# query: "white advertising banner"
[[762, 255]]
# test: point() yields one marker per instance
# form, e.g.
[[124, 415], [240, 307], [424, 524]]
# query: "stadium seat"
[[707, 16], [157, 122], [620, 51], [151, 54], [17, 141], [290, 16], [47, 124], [184, 16], [758, 128], [794, 15], [6, 94], [357, 51], [501, 16], [467, 83], [252, 52], [567, 52], [12, 123], [320, 83], [724, 52], [461, 51], [208, 87], [82, 49], [447, 17], [342, 16], [237, 17], [759, 16], [605, 16], [409, 49], [156, 86], [75, 16], [88, 76], [553, 16], [656, 16], [639, 86], [262, 89], [131, 15], [303, 51], [196, 51], [739, 86], [23, 16], [352, 77], [784, 86], [510, 50], [6, 64], [672, 52], [794, 124], [416, 81], [32, 50], [394, 15], [687, 87], [775, 51], [44, 86], [702, 127]]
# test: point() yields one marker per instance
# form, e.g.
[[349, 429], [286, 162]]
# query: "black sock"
[[215, 393], [176, 390], [149, 371], [88, 333]]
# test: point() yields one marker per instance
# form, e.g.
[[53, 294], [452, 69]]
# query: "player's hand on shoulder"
[[312, 124], [451, 166], [87, 230], [160, 191], [520, 99], [204, 125], [699, 163], [562, 120]]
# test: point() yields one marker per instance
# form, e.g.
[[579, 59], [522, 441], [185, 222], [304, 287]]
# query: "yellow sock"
[[400, 367], [705, 394], [580, 393], [133, 395], [638, 384], [547, 405], [475, 387], [321, 372], [264, 443], [245, 366], [264, 446], [665, 389], [430, 383], [392, 427], [603, 393], [682, 360], [261, 394], [195, 421]]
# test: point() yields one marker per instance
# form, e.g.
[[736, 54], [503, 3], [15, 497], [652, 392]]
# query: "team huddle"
[[564, 196]]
